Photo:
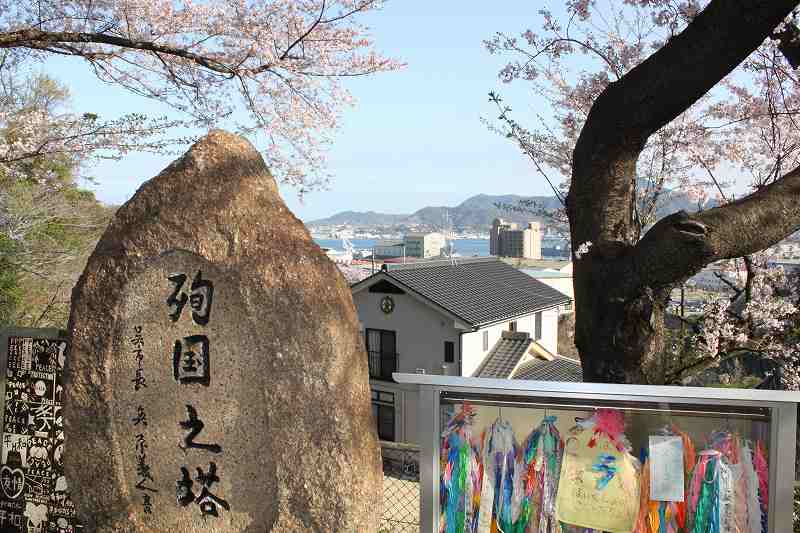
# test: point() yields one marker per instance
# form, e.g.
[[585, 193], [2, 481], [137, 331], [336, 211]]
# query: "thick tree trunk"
[[621, 332], [622, 286]]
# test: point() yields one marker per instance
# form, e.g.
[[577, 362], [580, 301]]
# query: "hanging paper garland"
[[642, 520], [476, 480], [752, 503], [541, 467], [664, 516], [747, 509], [499, 477], [704, 494], [459, 470], [654, 516], [762, 471]]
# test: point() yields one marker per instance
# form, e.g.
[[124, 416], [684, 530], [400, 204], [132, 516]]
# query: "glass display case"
[[519, 456]]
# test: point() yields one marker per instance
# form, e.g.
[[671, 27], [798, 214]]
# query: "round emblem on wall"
[[387, 304]]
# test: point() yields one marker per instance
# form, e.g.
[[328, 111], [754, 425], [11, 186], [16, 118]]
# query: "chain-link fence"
[[400, 488]]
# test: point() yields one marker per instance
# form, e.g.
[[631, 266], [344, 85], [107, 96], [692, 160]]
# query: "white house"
[[558, 276], [475, 317]]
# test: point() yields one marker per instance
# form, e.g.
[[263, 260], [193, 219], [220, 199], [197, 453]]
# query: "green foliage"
[[48, 226], [10, 290]]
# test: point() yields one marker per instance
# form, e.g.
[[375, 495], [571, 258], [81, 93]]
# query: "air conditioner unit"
[[419, 371]]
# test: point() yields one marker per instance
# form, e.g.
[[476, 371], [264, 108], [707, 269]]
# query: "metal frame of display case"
[[782, 407]]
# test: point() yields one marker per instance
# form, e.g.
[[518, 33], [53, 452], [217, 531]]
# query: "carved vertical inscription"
[[191, 366], [145, 484]]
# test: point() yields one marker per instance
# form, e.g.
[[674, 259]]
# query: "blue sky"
[[415, 137]]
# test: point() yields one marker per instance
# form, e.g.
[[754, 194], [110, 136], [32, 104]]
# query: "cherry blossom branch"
[[31, 38], [518, 133], [208, 59], [704, 363]]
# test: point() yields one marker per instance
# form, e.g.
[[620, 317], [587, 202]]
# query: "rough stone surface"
[[288, 395]]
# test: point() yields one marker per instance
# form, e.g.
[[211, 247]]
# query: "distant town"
[[540, 248]]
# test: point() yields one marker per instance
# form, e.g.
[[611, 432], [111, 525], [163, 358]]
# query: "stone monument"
[[217, 381]]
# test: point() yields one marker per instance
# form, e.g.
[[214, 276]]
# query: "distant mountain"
[[357, 218], [477, 212]]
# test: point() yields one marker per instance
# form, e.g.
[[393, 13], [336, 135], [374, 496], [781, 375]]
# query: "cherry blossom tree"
[[353, 274], [48, 224], [268, 67], [647, 96], [37, 126], [760, 318]]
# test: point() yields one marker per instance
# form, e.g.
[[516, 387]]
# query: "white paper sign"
[[666, 468]]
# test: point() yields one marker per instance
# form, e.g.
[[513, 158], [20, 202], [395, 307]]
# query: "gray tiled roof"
[[559, 369], [504, 356], [480, 291]]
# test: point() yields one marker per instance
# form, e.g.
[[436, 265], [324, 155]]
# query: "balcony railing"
[[382, 365]]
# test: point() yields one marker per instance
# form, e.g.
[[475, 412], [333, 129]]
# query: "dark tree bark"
[[622, 286]]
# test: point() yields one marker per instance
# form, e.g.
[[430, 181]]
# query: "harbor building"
[[507, 240], [389, 249], [424, 245]]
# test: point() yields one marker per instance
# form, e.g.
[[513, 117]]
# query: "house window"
[[568, 306], [383, 413], [537, 327], [382, 351], [449, 352], [512, 326], [485, 340]]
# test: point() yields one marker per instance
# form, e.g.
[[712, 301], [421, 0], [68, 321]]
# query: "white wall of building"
[[558, 280], [550, 330], [472, 350], [472, 342], [389, 249], [564, 286], [420, 330]]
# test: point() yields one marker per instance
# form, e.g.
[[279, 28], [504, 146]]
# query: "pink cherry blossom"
[[749, 122], [271, 68]]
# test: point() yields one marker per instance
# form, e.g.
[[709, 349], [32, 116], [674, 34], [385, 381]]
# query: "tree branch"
[[704, 363], [41, 40], [680, 244], [305, 34], [650, 96]]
